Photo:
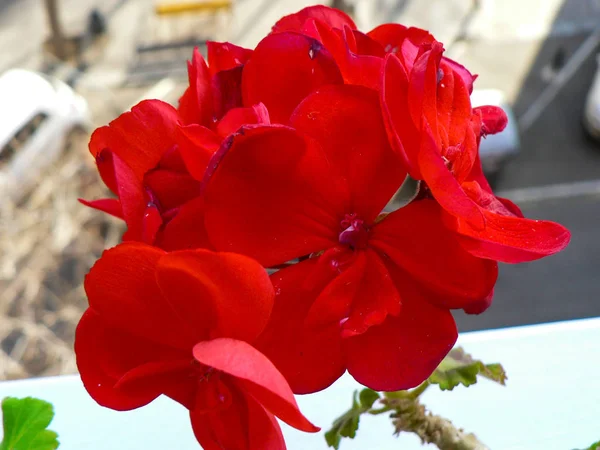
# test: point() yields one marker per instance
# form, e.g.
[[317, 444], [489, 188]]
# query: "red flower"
[[138, 157], [432, 126], [315, 192], [181, 324], [154, 165]]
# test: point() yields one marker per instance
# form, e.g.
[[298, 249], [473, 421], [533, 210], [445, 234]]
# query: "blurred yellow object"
[[172, 8]]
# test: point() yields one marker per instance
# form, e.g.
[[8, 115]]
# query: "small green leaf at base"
[[347, 424], [25, 421], [458, 367], [367, 397]]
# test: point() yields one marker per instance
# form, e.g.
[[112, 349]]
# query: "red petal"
[[132, 199], [309, 358], [238, 117], [227, 91], [360, 297], [477, 174], [366, 45], [106, 169], [302, 66], [416, 240], [264, 431], [513, 239], [402, 132], [453, 107], [403, 351], [347, 123], [186, 230], [288, 205], [151, 223], [507, 236], [361, 70], [225, 56], [223, 428], [108, 205], [480, 306], [494, 119], [443, 185], [403, 42], [255, 375], [171, 189], [218, 294], [333, 303], [510, 206], [139, 137], [195, 106], [122, 288], [105, 355], [197, 145], [422, 90], [172, 160], [376, 298], [332, 17], [461, 71]]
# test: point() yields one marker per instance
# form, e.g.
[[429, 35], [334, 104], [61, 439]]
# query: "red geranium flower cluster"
[[283, 158]]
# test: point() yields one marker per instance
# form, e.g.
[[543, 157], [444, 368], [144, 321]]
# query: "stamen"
[[354, 233]]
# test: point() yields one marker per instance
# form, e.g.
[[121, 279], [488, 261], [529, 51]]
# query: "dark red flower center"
[[355, 233]]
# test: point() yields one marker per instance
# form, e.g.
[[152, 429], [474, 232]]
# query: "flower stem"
[[442, 433], [411, 416]]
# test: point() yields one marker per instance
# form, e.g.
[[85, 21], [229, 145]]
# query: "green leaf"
[[367, 397], [459, 367], [25, 421], [347, 424], [594, 446]]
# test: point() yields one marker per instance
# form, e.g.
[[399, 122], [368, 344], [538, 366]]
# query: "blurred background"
[[68, 66]]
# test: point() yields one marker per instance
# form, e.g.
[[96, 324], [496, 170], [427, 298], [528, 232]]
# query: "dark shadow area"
[[554, 150]]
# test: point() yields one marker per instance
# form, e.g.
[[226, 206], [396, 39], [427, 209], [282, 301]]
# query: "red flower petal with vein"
[[184, 230], [139, 137], [301, 215], [310, 358], [401, 41], [346, 121], [196, 104], [254, 374], [403, 351], [334, 18], [236, 118], [458, 278], [180, 324], [303, 65], [227, 91], [358, 69], [508, 237], [225, 56]]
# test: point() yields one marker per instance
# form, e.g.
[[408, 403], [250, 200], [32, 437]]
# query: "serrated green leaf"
[[347, 424], [367, 397], [458, 367], [333, 438], [344, 426], [594, 446], [25, 421]]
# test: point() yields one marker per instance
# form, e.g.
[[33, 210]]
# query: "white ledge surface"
[[551, 401]]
